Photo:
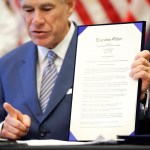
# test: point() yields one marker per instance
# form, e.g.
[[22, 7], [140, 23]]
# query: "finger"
[[141, 74], [139, 68], [8, 135], [10, 121], [26, 121], [145, 54], [140, 62], [19, 115], [15, 131], [10, 110], [13, 112]]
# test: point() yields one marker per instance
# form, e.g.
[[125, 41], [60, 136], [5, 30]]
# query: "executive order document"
[[104, 95]]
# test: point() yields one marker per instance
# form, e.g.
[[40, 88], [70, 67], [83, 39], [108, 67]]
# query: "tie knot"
[[51, 56]]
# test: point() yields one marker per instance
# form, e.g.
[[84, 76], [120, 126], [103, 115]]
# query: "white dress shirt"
[[60, 50]]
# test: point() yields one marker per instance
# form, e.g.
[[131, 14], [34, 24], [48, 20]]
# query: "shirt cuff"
[[147, 99], [1, 126]]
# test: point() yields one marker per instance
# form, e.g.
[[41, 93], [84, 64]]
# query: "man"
[[21, 73]]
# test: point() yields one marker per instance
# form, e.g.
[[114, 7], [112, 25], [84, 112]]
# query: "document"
[[104, 95]]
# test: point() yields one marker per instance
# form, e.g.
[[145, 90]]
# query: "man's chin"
[[44, 42], [39, 42]]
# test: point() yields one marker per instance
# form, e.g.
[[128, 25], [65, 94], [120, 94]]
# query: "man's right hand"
[[16, 125]]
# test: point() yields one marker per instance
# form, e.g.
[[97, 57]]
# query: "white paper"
[[104, 95], [51, 142]]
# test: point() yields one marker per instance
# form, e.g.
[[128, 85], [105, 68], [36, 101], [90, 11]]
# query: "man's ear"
[[71, 6]]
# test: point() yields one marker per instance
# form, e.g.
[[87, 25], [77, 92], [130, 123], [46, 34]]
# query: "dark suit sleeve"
[[144, 124], [2, 111], [147, 44]]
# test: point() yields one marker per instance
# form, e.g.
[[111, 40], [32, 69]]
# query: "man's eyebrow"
[[26, 6], [46, 4], [41, 5]]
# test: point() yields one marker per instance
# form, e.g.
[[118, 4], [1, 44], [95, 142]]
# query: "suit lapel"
[[28, 78], [65, 78]]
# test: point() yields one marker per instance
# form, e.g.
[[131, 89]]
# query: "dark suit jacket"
[[147, 45], [144, 122], [18, 87]]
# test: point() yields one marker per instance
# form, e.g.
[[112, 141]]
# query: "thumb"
[[13, 112], [26, 121]]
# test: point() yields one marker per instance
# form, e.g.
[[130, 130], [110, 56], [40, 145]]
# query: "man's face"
[[47, 20]]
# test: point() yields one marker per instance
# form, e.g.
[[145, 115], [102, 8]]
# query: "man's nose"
[[37, 18]]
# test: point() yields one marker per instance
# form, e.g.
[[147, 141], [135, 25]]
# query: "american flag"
[[111, 11]]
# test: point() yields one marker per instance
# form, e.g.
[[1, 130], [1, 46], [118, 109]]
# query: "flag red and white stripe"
[[111, 11], [139, 10], [108, 11]]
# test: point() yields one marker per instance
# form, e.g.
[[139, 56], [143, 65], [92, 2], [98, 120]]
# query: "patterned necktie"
[[48, 80]]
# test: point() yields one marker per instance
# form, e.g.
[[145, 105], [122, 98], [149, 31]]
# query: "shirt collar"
[[60, 49]]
